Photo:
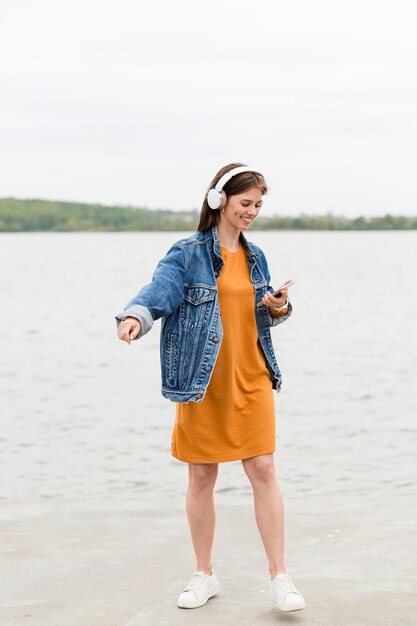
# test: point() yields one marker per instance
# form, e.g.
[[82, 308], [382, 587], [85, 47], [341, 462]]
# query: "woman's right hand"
[[128, 329]]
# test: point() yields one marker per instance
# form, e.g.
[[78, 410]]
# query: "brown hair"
[[237, 184]]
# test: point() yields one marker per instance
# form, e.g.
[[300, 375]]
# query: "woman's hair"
[[237, 184]]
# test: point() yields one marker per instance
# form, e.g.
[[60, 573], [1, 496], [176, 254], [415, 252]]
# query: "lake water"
[[82, 414]]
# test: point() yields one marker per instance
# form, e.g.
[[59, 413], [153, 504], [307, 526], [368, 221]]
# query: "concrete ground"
[[109, 563]]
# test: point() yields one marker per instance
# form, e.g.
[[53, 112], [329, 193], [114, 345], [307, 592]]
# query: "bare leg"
[[269, 508], [200, 511]]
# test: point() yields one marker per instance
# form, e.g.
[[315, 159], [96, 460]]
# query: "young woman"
[[212, 291]]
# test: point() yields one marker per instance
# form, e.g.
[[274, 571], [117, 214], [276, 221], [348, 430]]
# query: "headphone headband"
[[226, 177], [216, 198]]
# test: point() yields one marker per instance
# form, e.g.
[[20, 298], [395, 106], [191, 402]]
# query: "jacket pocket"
[[198, 302], [198, 294]]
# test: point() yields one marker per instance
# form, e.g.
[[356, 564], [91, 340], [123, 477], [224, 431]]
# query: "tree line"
[[28, 215]]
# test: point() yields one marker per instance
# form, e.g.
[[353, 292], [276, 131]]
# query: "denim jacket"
[[183, 292]]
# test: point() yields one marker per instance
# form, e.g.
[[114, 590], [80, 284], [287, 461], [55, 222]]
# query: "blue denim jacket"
[[183, 292]]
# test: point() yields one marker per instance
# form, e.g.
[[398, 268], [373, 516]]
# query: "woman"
[[212, 291]]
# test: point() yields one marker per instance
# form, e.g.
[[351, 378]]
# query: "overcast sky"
[[132, 102]]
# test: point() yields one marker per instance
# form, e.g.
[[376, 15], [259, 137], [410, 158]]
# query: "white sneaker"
[[284, 594], [200, 588]]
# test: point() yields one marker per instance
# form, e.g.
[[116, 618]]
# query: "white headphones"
[[216, 197]]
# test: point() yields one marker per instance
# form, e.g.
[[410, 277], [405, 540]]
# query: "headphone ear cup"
[[215, 199]]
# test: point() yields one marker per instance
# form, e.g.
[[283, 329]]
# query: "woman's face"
[[241, 209]]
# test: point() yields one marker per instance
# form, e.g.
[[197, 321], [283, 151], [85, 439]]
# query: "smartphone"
[[278, 292]]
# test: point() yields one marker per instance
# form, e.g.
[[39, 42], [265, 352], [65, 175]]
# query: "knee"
[[202, 478], [260, 470]]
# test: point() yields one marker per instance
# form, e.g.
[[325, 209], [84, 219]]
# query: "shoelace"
[[195, 583], [286, 585]]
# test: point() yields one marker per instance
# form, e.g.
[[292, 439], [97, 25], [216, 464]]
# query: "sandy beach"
[[105, 563]]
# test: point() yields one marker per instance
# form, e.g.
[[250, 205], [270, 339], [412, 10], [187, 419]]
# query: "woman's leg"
[[200, 511], [269, 508]]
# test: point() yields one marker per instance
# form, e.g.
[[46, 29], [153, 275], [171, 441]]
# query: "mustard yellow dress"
[[236, 419]]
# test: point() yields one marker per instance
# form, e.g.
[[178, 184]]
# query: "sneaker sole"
[[212, 592], [287, 610]]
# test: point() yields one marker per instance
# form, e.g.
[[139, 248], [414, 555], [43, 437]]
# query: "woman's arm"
[[275, 317], [162, 295]]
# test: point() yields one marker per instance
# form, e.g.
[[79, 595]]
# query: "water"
[[81, 411]]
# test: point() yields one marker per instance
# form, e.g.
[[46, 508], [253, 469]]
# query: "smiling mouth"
[[247, 220]]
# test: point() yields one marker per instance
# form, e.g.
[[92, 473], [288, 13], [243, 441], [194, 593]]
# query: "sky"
[[141, 103]]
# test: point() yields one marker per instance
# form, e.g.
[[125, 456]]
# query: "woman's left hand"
[[271, 300]]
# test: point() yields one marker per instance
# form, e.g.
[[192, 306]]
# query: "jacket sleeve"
[[274, 321], [162, 295]]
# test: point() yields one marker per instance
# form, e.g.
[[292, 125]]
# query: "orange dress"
[[236, 419]]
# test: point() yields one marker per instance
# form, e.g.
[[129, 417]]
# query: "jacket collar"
[[213, 241]]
